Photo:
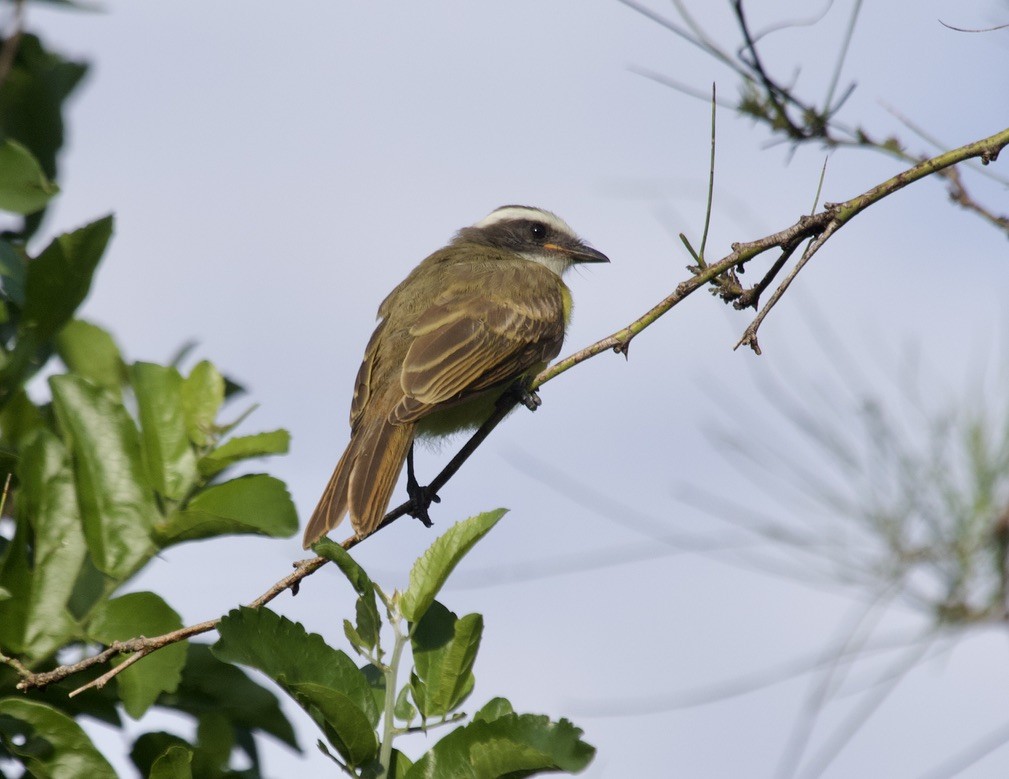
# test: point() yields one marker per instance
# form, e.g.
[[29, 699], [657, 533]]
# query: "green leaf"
[[211, 685], [58, 280], [216, 740], [56, 283], [170, 460], [366, 634], [116, 507], [16, 579], [404, 710], [24, 188], [510, 745], [90, 351], [257, 503], [48, 499], [243, 448], [348, 566], [493, 709], [31, 99], [19, 419], [360, 644], [141, 614], [202, 396], [324, 681], [346, 727], [289, 655], [13, 268], [150, 747], [55, 746], [432, 569], [376, 680], [444, 650], [176, 763], [399, 767]]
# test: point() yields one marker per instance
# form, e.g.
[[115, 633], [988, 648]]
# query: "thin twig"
[[842, 55], [711, 182]]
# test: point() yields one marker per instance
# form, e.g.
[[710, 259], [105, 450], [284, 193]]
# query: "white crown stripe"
[[508, 213]]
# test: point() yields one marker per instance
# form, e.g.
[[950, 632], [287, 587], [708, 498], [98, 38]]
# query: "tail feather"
[[375, 474], [363, 480]]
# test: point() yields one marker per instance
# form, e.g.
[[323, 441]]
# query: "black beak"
[[586, 254]]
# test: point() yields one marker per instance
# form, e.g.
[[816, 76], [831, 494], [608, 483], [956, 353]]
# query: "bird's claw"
[[421, 499]]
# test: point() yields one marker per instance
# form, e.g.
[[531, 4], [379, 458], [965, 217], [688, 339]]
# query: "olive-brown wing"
[[472, 339], [362, 384]]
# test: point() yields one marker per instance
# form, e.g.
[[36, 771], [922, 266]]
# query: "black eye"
[[538, 230]]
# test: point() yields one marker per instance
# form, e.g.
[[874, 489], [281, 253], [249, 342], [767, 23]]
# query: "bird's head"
[[533, 233]]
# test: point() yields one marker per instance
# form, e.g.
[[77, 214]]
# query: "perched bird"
[[469, 321]]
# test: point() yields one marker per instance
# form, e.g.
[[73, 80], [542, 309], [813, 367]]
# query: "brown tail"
[[363, 480]]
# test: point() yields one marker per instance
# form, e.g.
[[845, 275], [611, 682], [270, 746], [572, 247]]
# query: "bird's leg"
[[420, 497]]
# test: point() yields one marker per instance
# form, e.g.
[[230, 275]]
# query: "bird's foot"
[[522, 394], [421, 498]]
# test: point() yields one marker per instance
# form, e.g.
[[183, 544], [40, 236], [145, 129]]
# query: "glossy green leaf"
[[444, 650], [202, 396], [243, 448], [289, 655], [89, 351], [24, 187], [47, 497], [116, 506], [510, 745], [141, 614], [170, 460], [55, 746], [175, 763], [257, 504], [436, 564]]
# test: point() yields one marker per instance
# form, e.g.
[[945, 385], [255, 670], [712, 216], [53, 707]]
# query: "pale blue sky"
[[276, 169]]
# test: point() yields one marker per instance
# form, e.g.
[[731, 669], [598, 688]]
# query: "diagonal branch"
[[819, 227]]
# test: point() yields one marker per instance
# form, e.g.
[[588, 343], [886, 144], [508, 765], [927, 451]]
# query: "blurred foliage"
[[108, 462]]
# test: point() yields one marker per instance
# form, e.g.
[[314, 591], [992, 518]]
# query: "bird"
[[477, 317]]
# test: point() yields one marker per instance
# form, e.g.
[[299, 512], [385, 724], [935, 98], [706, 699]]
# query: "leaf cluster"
[[360, 711], [105, 464]]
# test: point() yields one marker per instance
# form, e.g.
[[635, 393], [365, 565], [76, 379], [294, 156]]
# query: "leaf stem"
[[389, 729]]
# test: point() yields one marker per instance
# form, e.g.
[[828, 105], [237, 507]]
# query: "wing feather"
[[476, 336]]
